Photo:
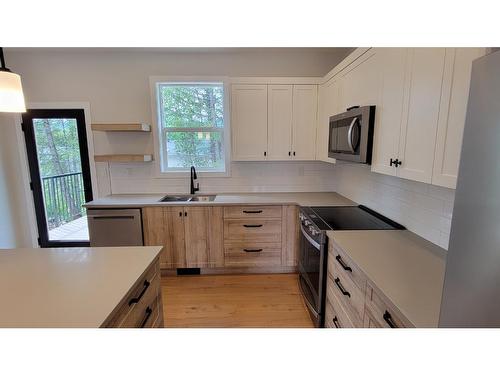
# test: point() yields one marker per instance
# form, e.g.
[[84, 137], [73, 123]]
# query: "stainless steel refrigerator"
[[471, 293]]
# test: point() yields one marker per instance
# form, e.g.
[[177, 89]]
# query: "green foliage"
[[193, 106], [57, 146], [58, 154]]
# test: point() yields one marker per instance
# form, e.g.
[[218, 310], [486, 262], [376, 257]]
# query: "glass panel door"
[[60, 175]]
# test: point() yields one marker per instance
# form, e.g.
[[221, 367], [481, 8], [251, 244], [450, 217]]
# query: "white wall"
[[14, 207], [116, 83], [422, 208]]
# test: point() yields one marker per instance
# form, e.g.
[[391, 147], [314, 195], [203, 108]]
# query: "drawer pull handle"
[[341, 288], [252, 250], [138, 298], [252, 212], [149, 311], [388, 318], [252, 225], [336, 322], [344, 266]]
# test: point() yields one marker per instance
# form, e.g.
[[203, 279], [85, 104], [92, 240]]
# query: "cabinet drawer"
[[142, 311], [150, 317], [345, 266], [252, 254], [244, 212], [152, 279], [380, 313], [351, 298], [335, 316], [254, 230]]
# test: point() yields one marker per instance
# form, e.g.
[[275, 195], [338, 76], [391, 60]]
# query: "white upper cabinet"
[[279, 121], [249, 121], [456, 82], [328, 105], [274, 122], [389, 110], [420, 113], [360, 82], [305, 111]]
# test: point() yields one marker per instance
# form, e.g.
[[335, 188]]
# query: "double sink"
[[188, 198]]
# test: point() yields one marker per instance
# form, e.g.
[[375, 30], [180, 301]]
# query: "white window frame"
[[154, 82]]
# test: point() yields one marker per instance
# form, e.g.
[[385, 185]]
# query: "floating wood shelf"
[[123, 158], [121, 127]]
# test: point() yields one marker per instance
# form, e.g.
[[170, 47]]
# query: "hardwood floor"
[[271, 300]]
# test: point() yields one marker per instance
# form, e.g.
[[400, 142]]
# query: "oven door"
[[311, 273]]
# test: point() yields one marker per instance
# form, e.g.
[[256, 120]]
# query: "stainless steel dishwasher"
[[115, 227]]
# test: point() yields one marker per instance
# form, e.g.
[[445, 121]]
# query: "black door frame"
[[36, 186]]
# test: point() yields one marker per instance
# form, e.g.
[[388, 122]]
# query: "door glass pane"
[[59, 161]]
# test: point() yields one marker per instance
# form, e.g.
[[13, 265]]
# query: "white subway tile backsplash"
[[245, 177], [422, 208]]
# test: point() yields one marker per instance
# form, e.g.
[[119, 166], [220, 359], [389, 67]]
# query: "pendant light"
[[11, 90]]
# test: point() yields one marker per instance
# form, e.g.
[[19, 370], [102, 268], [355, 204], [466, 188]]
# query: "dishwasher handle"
[[129, 217]]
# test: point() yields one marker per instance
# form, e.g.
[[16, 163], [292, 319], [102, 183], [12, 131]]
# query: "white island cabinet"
[[87, 287]]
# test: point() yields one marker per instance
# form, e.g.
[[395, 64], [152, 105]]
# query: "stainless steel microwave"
[[351, 135]]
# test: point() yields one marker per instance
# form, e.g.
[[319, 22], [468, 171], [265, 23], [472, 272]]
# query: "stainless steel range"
[[314, 222]]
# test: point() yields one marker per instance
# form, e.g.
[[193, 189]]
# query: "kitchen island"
[[81, 287]]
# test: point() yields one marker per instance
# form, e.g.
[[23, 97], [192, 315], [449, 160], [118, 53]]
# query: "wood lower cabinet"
[[189, 235], [351, 299], [290, 236], [164, 226], [142, 307], [196, 236], [244, 237]]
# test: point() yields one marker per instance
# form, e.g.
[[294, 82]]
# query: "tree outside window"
[[191, 126]]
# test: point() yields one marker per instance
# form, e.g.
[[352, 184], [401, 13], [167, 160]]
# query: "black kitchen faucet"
[[194, 177]]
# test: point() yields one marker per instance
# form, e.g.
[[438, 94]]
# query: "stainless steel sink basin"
[[175, 198], [202, 198], [188, 198]]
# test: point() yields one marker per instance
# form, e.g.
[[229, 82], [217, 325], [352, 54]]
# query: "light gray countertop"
[[408, 269], [301, 199], [67, 287]]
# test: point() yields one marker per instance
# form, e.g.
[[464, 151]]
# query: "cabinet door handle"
[[185, 213], [396, 162], [149, 311], [138, 298], [336, 322], [252, 250], [252, 225], [388, 318], [180, 214], [265, 153], [344, 266], [294, 153], [341, 288], [252, 212], [289, 153]]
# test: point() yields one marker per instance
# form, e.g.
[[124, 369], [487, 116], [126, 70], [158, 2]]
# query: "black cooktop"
[[350, 218]]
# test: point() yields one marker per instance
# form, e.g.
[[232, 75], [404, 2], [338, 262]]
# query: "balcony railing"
[[64, 196]]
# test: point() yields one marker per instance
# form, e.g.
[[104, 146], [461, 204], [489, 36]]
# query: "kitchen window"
[[192, 126]]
